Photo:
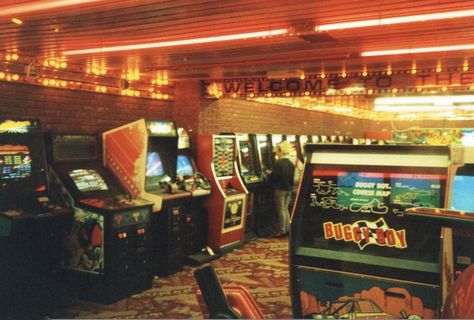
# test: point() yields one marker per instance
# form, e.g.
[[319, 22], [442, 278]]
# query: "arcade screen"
[[184, 167], [15, 162], [265, 152], [88, 180], [154, 170], [462, 198], [247, 166], [359, 209]]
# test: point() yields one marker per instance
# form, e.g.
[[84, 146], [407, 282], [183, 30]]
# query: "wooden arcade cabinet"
[[226, 206]]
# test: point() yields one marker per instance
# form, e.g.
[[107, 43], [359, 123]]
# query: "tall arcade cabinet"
[[32, 226], [353, 251], [143, 155], [226, 206]]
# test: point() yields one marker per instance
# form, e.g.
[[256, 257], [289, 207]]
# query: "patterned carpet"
[[260, 266]]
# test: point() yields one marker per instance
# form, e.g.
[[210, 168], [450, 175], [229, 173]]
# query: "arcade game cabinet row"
[[353, 250], [144, 156], [31, 224]]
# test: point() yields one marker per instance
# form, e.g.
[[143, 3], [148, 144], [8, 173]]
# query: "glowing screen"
[[87, 180], [184, 167], [154, 166], [462, 193], [15, 162]]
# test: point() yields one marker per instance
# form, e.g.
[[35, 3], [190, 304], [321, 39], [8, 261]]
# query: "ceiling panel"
[[49, 30]]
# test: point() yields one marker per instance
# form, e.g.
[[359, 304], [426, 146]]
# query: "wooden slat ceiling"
[[106, 23]]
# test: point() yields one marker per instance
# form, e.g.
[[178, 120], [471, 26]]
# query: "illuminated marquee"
[[352, 83], [12, 126], [365, 232]]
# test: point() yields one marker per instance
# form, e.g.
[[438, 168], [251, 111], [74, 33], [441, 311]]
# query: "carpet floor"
[[261, 266]]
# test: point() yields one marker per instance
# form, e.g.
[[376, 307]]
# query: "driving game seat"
[[228, 302]]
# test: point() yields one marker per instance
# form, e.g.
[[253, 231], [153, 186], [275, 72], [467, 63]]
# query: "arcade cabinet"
[[108, 250], [462, 199], [226, 206], [302, 141], [194, 220], [295, 143], [456, 294], [352, 251], [32, 226], [265, 218], [143, 154], [254, 179]]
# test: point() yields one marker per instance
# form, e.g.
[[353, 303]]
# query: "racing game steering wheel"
[[201, 181]]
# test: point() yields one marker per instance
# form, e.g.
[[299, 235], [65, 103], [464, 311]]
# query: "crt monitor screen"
[[87, 180], [462, 193], [154, 165], [155, 172], [246, 165], [184, 167], [15, 162]]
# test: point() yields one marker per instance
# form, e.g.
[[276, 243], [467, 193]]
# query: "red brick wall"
[[79, 111], [235, 115], [76, 111], [187, 107]]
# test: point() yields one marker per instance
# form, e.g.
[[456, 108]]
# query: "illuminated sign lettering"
[[365, 232]]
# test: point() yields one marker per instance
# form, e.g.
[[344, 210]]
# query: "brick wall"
[[235, 115], [76, 111], [79, 111]]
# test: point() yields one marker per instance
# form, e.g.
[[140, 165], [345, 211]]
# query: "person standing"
[[282, 182]]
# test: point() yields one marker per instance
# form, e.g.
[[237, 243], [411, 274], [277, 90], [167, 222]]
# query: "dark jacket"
[[282, 175]]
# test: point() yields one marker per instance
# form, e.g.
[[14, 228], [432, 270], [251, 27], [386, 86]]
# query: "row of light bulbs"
[[61, 83], [160, 79]]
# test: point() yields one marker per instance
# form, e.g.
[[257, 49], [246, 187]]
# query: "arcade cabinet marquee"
[[351, 248]]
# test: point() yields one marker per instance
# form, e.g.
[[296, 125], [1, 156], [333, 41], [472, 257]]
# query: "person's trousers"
[[282, 200]]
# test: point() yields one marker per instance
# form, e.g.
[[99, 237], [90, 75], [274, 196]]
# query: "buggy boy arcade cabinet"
[[143, 155], [226, 206], [108, 251], [31, 225], [352, 251]]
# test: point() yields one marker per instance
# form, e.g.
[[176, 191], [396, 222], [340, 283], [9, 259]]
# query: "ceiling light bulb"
[[17, 21]]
